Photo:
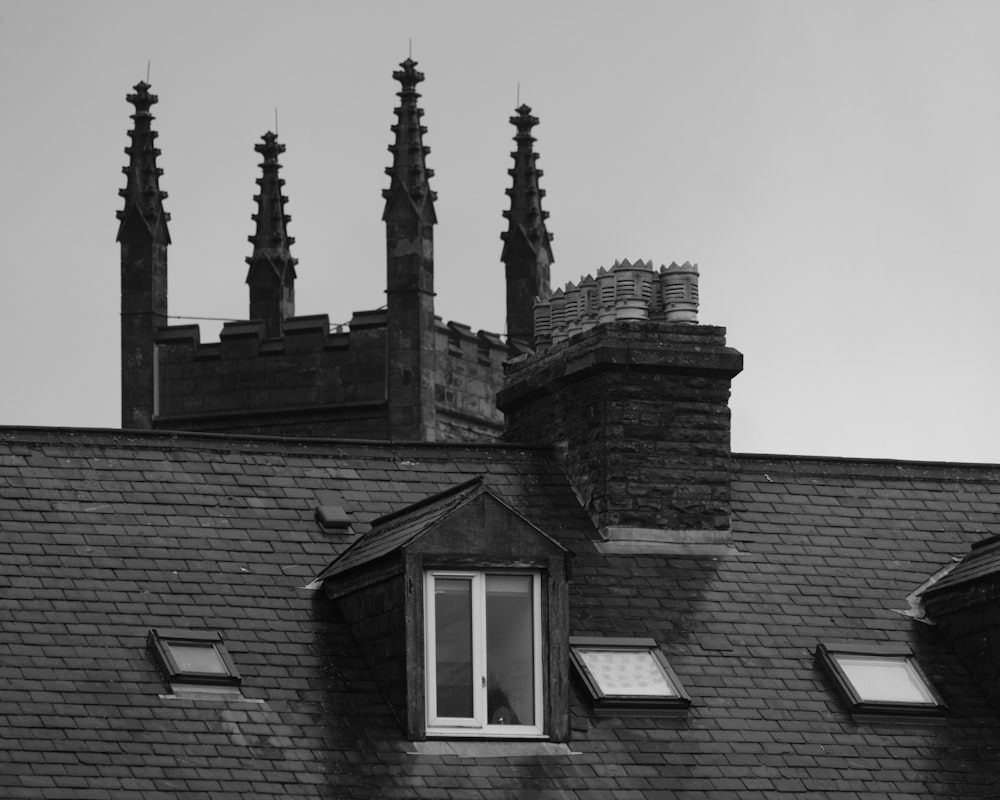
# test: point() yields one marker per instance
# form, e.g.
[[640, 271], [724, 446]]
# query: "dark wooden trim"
[[416, 696], [555, 640]]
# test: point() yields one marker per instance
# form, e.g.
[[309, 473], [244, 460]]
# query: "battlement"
[[310, 381], [318, 380]]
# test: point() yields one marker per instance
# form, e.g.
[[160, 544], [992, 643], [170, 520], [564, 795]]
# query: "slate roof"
[[393, 530], [105, 534], [983, 562]]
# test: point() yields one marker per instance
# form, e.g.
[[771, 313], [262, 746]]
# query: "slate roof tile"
[[833, 547]]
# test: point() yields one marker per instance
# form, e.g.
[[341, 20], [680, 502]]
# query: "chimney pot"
[[679, 292]]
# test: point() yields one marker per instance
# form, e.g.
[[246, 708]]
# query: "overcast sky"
[[833, 167]]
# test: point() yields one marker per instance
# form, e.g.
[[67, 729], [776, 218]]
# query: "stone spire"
[[142, 193], [527, 252], [271, 276], [143, 238], [409, 173], [409, 234]]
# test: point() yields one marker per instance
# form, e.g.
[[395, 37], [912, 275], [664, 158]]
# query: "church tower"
[[396, 372], [527, 252], [143, 237], [409, 231], [271, 276]]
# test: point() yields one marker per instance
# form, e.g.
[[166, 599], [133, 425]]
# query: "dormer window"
[[459, 604], [483, 652]]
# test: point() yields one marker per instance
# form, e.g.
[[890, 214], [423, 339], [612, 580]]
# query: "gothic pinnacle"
[[526, 215], [271, 239], [271, 275], [142, 194], [527, 254], [409, 174]]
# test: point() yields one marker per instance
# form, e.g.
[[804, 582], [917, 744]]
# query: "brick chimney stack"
[[637, 406], [271, 273], [143, 238]]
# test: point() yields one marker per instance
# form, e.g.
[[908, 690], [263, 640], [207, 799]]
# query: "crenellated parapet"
[[311, 381], [318, 380]]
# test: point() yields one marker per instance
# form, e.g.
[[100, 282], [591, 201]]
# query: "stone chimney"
[[634, 394]]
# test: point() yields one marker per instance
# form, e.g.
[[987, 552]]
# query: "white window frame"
[[478, 724]]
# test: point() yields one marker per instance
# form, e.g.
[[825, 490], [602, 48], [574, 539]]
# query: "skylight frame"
[[606, 702], [894, 655], [161, 642]]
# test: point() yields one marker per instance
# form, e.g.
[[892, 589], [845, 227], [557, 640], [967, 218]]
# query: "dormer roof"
[[468, 518]]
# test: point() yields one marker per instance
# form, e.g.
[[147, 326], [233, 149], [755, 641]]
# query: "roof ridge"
[[479, 480], [848, 461], [175, 439]]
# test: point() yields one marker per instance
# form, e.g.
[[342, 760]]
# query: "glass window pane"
[[627, 672], [453, 646], [884, 680], [198, 658], [510, 650]]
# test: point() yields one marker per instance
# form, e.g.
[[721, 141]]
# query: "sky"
[[833, 168]]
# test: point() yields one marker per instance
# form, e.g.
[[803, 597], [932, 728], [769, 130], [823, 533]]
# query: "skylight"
[[193, 658], [879, 678], [623, 674]]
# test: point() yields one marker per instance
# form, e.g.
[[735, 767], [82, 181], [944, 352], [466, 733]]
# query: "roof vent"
[[331, 515]]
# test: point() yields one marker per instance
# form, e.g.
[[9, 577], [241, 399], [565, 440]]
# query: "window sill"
[[225, 694], [911, 718], [484, 734], [487, 749]]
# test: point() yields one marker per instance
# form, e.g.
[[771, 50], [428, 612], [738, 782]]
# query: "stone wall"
[[468, 375]]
